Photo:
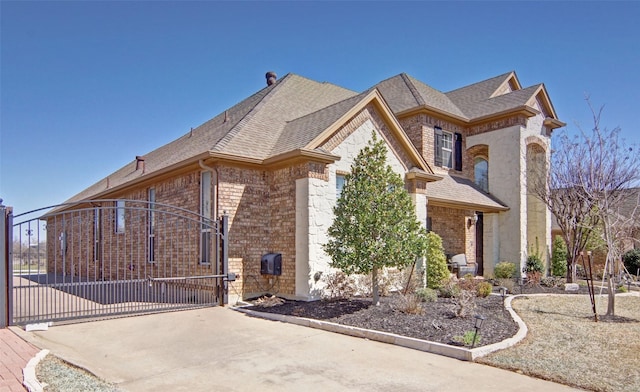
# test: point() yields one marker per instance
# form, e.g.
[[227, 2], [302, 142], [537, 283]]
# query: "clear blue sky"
[[87, 86]]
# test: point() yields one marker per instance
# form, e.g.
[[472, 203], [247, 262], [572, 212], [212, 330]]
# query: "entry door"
[[479, 243]]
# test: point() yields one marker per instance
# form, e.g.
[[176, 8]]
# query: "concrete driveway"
[[218, 349]]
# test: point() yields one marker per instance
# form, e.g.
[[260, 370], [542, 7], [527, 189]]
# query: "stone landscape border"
[[460, 353]]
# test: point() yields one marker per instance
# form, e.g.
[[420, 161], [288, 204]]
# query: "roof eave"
[[314, 155], [432, 110], [421, 175], [433, 201], [376, 98], [524, 110], [553, 123]]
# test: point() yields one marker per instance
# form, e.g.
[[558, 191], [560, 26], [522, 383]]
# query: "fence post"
[[224, 255], [6, 235]]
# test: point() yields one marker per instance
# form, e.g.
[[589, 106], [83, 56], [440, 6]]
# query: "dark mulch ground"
[[437, 324]]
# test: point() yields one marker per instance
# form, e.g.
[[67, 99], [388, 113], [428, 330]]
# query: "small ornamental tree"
[[559, 257], [375, 224], [437, 269]]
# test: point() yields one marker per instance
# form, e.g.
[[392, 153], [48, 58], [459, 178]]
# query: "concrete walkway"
[[14, 355], [221, 349]]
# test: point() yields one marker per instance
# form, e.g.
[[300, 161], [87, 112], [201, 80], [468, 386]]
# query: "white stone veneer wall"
[[315, 199], [507, 181]]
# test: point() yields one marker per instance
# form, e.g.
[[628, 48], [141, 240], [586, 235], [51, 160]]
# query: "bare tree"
[[607, 172], [560, 190], [584, 188]]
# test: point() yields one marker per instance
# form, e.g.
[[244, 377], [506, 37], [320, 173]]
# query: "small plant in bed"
[[467, 339]]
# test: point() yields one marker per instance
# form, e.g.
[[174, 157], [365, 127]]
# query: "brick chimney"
[[140, 163]]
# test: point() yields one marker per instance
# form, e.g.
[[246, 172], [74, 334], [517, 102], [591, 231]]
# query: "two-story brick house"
[[275, 163]]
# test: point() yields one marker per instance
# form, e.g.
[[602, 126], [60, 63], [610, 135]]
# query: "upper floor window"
[[444, 148], [481, 173], [448, 149]]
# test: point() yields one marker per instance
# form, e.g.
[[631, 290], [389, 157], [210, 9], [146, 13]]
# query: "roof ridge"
[[482, 81], [412, 88], [252, 112], [522, 91], [330, 106]]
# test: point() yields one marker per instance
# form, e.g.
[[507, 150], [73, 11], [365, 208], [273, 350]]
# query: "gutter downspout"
[[214, 180]]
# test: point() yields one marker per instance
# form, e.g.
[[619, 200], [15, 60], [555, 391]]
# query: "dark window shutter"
[[437, 156], [458, 152]]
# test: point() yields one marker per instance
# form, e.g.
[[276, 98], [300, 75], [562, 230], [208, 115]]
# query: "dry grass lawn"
[[565, 345]]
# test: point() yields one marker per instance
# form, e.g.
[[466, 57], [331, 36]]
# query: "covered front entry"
[[99, 259]]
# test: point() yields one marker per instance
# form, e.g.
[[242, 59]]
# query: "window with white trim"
[[443, 148]]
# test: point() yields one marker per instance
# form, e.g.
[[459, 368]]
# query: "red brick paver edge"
[[15, 353]]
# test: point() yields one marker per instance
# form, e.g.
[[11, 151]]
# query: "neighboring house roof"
[[453, 191], [629, 207]]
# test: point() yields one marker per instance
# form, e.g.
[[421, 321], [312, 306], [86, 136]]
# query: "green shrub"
[[484, 289], [559, 257], [427, 295], [534, 264], [631, 260], [504, 270], [437, 269], [622, 288]]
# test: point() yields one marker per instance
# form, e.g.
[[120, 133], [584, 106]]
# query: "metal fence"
[[98, 259]]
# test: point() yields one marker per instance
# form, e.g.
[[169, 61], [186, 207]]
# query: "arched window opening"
[[481, 173]]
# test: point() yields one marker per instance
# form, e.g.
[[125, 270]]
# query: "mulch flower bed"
[[438, 323]]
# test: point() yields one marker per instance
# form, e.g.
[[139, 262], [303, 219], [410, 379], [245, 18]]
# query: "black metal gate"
[[97, 259]]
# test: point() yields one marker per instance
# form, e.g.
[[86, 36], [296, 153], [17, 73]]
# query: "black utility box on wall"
[[271, 264]]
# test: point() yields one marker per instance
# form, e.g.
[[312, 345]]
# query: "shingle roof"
[[630, 205], [291, 98], [466, 96], [403, 92], [501, 103], [250, 129], [291, 113], [461, 191], [301, 131]]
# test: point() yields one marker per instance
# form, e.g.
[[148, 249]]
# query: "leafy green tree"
[[437, 269], [375, 225]]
